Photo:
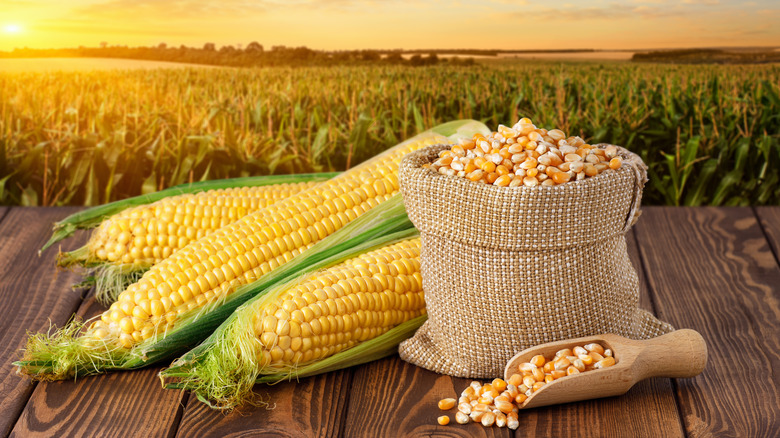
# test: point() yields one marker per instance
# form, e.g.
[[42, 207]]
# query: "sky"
[[387, 24]]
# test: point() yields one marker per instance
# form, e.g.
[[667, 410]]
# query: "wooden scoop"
[[681, 353]]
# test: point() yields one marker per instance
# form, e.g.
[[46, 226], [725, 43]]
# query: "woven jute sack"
[[505, 268]]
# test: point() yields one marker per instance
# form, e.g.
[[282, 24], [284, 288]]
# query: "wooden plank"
[[33, 295], [314, 406], [769, 216], [115, 404], [711, 269], [647, 410], [391, 398], [396, 397]]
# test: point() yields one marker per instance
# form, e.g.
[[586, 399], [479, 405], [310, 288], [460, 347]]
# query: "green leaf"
[[29, 197]]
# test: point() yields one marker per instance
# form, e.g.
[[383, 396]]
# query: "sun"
[[12, 28]]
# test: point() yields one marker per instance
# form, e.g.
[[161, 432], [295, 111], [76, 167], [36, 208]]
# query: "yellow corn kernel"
[[538, 360], [180, 219], [557, 374], [594, 347], [515, 380], [503, 404], [341, 306], [499, 384], [447, 404], [512, 422], [443, 420], [604, 363]]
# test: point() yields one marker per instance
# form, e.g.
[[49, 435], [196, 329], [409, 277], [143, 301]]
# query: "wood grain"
[[315, 406], [647, 410], [33, 294], [391, 398], [711, 269], [770, 222], [126, 404]]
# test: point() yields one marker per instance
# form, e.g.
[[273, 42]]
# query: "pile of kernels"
[[525, 155], [498, 402]]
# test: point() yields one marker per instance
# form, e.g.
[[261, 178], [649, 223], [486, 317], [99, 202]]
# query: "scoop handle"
[[679, 354]]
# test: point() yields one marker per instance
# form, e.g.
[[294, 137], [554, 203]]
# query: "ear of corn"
[[180, 300], [128, 243], [74, 351], [93, 217], [351, 313]]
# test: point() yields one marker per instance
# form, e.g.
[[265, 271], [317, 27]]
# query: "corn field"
[[709, 134]]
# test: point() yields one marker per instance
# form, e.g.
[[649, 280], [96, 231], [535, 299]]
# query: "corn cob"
[[127, 244], [93, 217], [281, 333], [333, 310], [148, 234], [181, 299]]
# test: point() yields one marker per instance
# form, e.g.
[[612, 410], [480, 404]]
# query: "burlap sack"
[[505, 269]]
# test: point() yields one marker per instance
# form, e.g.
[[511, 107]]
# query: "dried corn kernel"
[[525, 155], [497, 403], [447, 404]]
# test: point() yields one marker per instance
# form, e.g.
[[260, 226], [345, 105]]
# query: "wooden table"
[[714, 270]]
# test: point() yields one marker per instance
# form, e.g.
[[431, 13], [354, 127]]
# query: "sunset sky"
[[378, 24]]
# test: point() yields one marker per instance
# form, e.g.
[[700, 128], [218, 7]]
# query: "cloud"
[[168, 9], [702, 2], [609, 12], [187, 9], [92, 27]]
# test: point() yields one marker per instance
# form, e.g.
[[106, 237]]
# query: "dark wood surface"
[[714, 270]]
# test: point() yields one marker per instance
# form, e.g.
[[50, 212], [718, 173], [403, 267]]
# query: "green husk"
[[92, 217], [61, 354]]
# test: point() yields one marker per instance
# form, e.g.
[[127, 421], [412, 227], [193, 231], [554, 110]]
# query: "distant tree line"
[[253, 55], [709, 56]]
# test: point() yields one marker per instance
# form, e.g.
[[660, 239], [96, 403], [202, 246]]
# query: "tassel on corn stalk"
[[154, 317], [132, 236], [354, 312]]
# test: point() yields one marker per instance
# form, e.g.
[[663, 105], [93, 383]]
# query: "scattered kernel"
[[497, 403], [443, 420], [447, 404]]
